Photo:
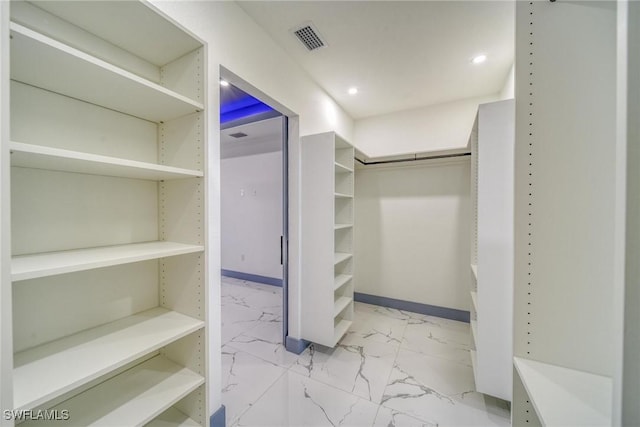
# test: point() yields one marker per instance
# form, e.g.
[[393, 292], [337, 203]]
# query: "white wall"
[[412, 232], [251, 218], [436, 128], [509, 89], [237, 43]]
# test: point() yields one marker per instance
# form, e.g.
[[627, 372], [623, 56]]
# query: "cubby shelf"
[[131, 398], [341, 280], [343, 196], [340, 329], [563, 396], [78, 75], [340, 257], [340, 168], [51, 263], [49, 158], [342, 226], [340, 304], [50, 370]]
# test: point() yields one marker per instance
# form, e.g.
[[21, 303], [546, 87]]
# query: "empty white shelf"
[[342, 226], [474, 300], [132, 398], [564, 396], [340, 304], [341, 280], [343, 196], [78, 75], [25, 267], [340, 329], [41, 157], [53, 369], [474, 270], [173, 418], [342, 168], [339, 257]]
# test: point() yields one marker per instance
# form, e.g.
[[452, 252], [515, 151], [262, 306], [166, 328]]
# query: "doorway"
[[254, 212]]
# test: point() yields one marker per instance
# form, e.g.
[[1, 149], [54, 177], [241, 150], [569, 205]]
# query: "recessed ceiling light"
[[479, 59], [352, 90], [224, 83]]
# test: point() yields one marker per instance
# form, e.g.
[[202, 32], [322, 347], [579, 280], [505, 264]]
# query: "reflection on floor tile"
[[393, 368], [245, 379], [356, 365], [295, 400], [391, 418]]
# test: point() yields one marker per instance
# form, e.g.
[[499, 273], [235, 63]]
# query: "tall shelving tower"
[[576, 345], [327, 237], [105, 306]]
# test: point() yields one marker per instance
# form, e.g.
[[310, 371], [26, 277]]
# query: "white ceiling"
[[264, 136], [399, 54]]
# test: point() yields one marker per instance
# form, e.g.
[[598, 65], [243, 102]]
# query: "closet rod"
[[413, 159]]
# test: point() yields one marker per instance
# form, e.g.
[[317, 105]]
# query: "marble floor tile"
[[375, 326], [238, 319], [244, 379], [437, 341], [355, 365], [265, 341], [360, 307], [440, 392], [295, 400], [388, 417]]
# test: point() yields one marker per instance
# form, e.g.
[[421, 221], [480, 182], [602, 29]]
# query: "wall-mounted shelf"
[[51, 263], [106, 166], [94, 352], [564, 396], [173, 418], [474, 270], [327, 237], [133, 397], [56, 159], [78, 75]]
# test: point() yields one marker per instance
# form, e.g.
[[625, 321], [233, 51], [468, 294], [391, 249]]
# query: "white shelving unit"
[[327, 237], [576, 328], [492, 145], [107, 240]]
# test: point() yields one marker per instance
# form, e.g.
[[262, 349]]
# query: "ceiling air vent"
[[238, 135], [309, 36]]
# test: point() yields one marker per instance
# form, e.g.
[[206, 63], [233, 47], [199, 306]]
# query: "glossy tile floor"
[[393, 368]]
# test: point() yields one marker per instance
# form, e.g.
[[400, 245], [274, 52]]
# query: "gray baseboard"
[[252, 277], [414, 307], [218, 418]]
